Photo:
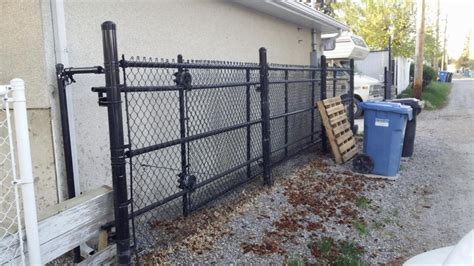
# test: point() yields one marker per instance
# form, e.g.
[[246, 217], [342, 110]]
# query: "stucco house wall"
[[206, 29], [23, 54]]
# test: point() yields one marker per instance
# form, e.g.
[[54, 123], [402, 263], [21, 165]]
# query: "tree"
[[463, 61], [435, 59], [431, 48], [376, 20], [420, 39]]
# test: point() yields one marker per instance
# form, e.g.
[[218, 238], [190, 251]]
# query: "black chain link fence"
[[193, 130]]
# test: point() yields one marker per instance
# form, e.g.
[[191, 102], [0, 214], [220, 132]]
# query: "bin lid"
[[412, 102], [388, 107]]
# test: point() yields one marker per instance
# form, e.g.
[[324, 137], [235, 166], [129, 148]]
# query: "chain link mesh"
[[208, 129], [11, 244]]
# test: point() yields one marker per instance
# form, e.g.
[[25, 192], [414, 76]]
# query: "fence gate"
[[188, 131]]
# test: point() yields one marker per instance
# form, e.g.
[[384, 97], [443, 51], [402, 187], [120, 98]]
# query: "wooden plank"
[[103, 257], [328, 130], [346, 146], [337, 119], [351, 153], [70, 223], [344, 137], [103, 240], [328, 102], [335, 109], [341, 128]]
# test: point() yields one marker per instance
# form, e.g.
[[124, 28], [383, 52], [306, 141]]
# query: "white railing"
[[18, 218]]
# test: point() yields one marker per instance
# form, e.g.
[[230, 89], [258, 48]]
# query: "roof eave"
[[297, 13]]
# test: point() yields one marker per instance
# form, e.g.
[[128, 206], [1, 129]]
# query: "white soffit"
[[296, 13]]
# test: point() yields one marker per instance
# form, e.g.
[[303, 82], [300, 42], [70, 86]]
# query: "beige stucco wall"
[[200, 29], [22, 55]]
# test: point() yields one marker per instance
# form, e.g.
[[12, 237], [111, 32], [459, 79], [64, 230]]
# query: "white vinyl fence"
[[19, 242]]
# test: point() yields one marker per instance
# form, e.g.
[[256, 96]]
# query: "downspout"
[[67, 115], [60, 44], [313, 56]]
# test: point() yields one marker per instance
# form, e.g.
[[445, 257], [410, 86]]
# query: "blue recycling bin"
[[384, 130], [443, 76]]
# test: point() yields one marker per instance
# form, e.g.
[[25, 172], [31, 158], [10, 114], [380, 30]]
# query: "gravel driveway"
[[313, 200]]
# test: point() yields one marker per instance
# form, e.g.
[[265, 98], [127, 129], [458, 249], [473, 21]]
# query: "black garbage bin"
[[410, 130]]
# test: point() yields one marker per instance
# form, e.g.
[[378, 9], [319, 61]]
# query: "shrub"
[[429, 74]]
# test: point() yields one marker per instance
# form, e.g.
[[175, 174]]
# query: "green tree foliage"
[[432, 49], [464, 61], [376, 20]]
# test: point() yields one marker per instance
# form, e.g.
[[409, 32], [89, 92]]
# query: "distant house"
[[39, 34]]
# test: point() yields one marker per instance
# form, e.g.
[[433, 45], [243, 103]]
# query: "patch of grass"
[[327, 251], [349, 254], [361, 227], [362, 202], [435, 94], [325, 245]]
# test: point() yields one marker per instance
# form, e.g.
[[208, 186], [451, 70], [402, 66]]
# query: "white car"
[[460, 254], [366, 89]]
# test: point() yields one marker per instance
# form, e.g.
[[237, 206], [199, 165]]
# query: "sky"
[[460, 14]]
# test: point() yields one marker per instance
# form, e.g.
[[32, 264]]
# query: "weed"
[[362, 202], [330, 252], [326, 245], [361, 227], [349, 254]]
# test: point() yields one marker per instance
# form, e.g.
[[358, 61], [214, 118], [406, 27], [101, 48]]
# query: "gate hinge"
[[187, 181]]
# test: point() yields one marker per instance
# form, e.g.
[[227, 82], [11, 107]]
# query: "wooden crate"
[[338, 129]]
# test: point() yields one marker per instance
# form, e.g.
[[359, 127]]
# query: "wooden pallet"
[[338, 129]]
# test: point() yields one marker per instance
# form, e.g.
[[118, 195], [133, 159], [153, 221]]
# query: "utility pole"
[[444, 43], [437, 53], [420, 40]]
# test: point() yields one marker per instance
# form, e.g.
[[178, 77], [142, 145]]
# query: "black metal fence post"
[[117, 147], [323, 96], [334, 82], [182, 133], [249, 127], [265, 109], [62, 79], [351, 94], [286, 111]]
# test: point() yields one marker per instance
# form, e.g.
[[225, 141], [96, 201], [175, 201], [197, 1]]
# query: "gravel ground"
[[431, 205]]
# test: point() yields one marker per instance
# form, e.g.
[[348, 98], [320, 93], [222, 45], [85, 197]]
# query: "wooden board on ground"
[[66, 226], [338, 130]]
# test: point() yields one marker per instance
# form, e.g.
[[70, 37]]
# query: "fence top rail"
[[273, 67], [197, 64], [338, 69]]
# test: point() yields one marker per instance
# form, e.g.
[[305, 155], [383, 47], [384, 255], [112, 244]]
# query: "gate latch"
[[183, 78], [186, 181]]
